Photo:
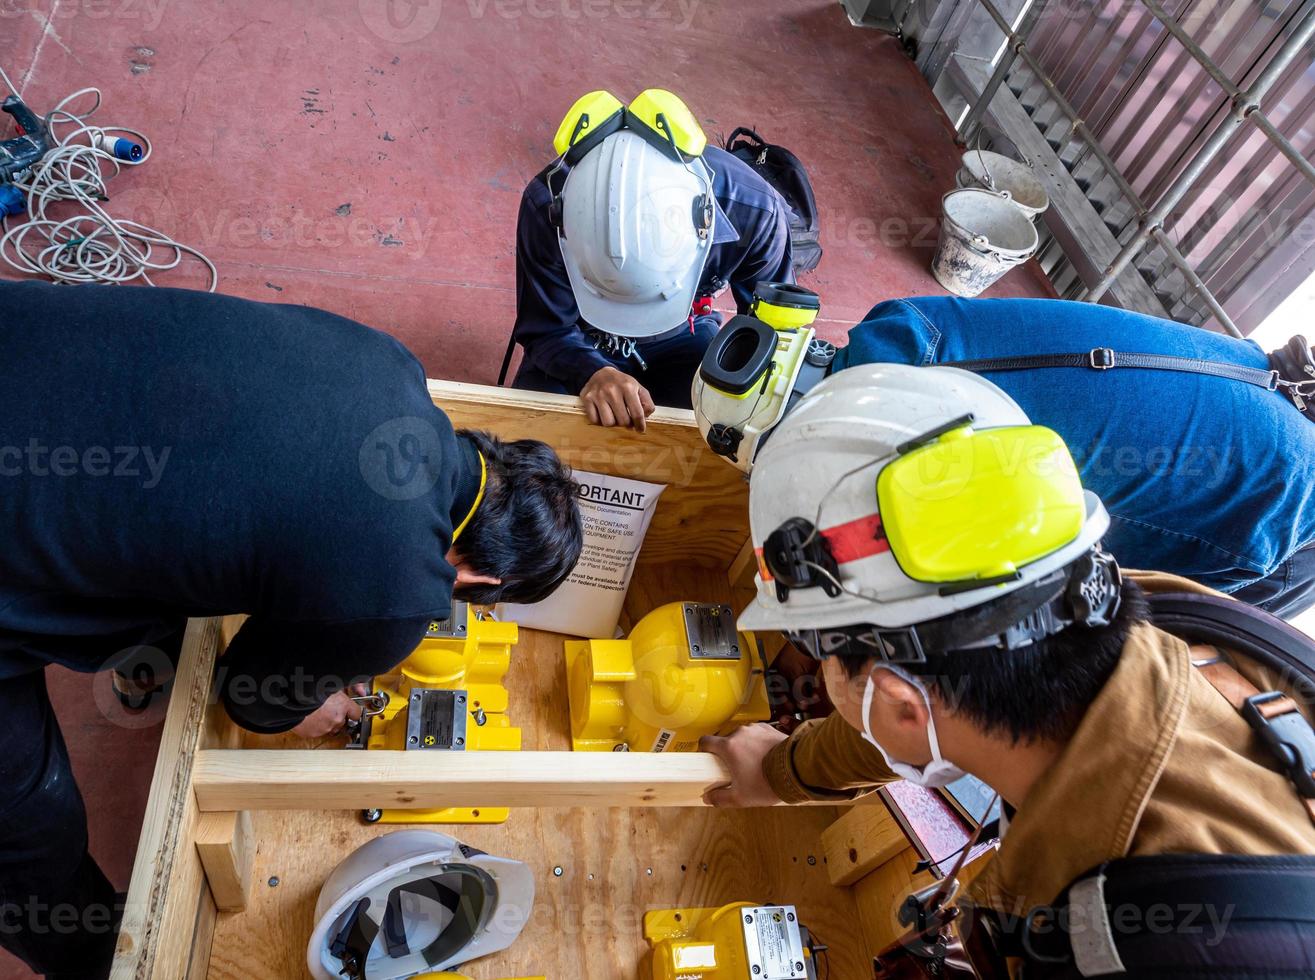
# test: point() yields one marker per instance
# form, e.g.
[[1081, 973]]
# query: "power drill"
[[18, 154], [32, 142]]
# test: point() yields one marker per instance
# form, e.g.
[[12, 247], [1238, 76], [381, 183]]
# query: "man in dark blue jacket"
[[166, 454], [620, 247], [1205, 477]]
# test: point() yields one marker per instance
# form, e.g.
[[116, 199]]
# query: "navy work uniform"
[[167, 453], [750, 244]]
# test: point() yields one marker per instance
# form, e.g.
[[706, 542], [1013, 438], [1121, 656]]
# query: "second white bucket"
[[997, 172], [983, 236]]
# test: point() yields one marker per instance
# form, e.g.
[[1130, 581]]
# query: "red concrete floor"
[[368, 156]]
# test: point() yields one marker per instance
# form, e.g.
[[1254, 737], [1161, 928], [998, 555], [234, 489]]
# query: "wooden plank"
[[227, 847], [203, 936], [279, 779], [862, 840], [168, 884], [703, 516]]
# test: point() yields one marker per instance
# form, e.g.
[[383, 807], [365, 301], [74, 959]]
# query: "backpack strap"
[[1107, 359], [1273, 715], [506, 360], [1275, 718]]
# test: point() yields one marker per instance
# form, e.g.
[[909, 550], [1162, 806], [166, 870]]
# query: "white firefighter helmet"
[[416, 901], [635, 232], [895, 495], [756, 368]]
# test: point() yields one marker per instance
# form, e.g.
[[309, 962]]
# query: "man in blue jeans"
[[1205, 477]]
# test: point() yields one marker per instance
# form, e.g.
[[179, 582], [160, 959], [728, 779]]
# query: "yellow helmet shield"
[[972, 506]]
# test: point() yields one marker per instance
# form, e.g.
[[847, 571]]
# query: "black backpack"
[[786, 173], [1266, 903]]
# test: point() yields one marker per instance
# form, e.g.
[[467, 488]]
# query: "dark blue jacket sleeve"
[[275, 673], [547, 318], [768, 258]]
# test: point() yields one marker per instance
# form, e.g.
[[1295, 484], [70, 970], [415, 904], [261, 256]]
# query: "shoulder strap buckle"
[[1101, 358], [1288, 735]]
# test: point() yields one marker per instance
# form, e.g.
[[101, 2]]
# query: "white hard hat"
[[416, 901], [970, 523], [636, 230]]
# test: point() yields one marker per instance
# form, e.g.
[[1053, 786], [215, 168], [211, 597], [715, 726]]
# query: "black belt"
[[1107, 359], [1162, 915]]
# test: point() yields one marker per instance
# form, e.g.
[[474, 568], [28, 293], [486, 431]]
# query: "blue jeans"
[[671, 365], [1203, 477], [1289, 590]]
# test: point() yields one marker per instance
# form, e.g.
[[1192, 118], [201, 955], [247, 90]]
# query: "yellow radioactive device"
[[740, 941], [446, 697], [683, 673]]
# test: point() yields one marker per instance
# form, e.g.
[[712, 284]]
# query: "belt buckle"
[[1101, 358], [1288, 736]]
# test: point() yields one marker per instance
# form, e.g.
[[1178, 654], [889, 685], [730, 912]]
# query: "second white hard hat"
[[984, 504], [636, 230]]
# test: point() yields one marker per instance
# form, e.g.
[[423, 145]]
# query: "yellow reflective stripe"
[[483, 482]]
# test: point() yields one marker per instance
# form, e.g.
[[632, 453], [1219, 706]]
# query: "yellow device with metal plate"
[[447, 696], [740, 941], [683, 673]]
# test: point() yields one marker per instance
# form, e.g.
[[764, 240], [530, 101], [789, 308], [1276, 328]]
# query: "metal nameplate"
[[452, 628], [436, 720], [773, 943], [710, 630]]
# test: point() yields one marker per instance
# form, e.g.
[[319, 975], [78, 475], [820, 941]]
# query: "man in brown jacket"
[[964, 627]]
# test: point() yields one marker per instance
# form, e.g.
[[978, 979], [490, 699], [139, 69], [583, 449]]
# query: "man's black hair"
[[1038, 692], [527, 530]]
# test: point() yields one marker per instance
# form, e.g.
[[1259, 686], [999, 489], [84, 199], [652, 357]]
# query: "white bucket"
[[983, 236], [996, 172]]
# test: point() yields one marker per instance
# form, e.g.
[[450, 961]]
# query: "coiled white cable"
[[89, 245]]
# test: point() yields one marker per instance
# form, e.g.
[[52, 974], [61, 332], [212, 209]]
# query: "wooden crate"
[[267, 819]]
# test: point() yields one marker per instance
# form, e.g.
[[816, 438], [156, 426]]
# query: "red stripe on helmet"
[[853, 541]]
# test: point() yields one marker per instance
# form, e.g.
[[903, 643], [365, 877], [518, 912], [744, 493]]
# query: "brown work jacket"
[[1161, 763]]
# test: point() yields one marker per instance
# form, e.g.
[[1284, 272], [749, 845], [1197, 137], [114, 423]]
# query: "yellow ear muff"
[[586, 118], [784, 305], [976, 505], [666, 115]]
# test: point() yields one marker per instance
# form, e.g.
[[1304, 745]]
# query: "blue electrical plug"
[[12, 201], [117, 146]]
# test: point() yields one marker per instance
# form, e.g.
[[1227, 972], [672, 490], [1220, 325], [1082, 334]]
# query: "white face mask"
[[940, 771]]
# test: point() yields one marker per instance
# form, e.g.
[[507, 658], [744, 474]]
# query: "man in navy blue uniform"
[[166, 454], [621, 245]]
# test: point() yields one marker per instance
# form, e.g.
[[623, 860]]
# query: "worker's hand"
[[612, 397], [743, 752], [331, 717]]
